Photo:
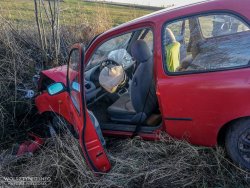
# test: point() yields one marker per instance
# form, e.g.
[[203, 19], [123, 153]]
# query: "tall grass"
[[135, 163], [17, 60], [22, 56]]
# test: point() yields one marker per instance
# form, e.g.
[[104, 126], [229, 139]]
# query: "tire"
[[237, 143]]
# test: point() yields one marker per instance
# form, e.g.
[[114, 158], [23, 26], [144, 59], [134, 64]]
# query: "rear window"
[[221, 24], [206, 43]]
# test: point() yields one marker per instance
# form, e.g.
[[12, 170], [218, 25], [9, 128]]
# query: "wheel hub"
[[244, 145]]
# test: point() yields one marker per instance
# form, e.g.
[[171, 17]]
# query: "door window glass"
[[73, 76], [205, 43], [101, 54], [147, 36]]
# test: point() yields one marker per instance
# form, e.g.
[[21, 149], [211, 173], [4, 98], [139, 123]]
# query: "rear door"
[[210, 86], [90, 143]]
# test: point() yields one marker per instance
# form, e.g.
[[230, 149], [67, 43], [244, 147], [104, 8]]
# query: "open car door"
[[89, 139]]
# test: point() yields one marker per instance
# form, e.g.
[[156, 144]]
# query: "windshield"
[[101, 54]]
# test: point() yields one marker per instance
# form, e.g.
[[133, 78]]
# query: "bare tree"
[[48, 25]]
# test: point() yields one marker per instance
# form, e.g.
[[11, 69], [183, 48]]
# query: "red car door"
[[210, 85], [92, 148]]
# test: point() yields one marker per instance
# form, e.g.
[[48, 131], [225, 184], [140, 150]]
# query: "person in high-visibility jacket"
[[172, 51]]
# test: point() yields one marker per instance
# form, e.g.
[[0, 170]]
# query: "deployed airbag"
[[122, 57], [111, 77]]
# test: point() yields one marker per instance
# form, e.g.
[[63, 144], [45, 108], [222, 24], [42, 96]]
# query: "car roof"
[[208, 3], [157, 18], [166, 10]]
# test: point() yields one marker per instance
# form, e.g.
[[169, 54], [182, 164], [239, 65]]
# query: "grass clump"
[[22, 57], [135, 163]]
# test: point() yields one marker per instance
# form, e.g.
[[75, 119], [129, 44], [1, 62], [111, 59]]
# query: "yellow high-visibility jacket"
[[173, 56]]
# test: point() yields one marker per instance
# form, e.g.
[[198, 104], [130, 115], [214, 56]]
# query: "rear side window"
[[206, 43], [219, 25]]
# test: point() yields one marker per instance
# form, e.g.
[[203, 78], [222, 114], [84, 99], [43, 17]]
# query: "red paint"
[[30, 146], [122, 134], [62, 105], [210, 99], [57, 74]]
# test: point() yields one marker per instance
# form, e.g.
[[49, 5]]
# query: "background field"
[[22, 11], [135, 163]]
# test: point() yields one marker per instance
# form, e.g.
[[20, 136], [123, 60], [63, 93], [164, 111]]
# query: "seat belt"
[[138, 125]]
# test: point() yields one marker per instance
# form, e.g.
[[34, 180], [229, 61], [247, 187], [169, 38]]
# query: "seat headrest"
[[169, 36], [140, 51]]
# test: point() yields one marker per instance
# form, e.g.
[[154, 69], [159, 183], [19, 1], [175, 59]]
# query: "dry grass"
[[135, 163], [17, 61], [21, 57]]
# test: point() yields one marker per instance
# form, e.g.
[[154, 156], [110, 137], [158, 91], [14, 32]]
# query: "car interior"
[[120, 84]]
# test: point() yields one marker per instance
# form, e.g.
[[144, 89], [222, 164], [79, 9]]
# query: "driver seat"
[[137, 106]]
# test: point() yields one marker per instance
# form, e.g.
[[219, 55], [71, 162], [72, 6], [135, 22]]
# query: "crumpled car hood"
[[57, 74]]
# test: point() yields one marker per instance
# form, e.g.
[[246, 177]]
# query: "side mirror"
[[75, 86], [55, 88]]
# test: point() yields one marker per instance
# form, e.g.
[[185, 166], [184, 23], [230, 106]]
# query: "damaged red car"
[[183, 70]]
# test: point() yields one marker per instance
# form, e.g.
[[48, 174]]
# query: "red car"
[[183, 70]]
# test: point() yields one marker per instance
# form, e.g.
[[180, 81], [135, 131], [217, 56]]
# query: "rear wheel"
[[238, 143]]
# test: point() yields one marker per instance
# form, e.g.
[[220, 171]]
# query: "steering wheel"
[[108, 63]]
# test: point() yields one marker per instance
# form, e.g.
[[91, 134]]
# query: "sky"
[[158, 3]]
